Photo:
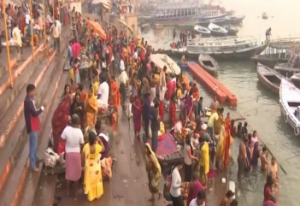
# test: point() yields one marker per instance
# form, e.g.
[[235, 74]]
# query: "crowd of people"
[[117, 72]]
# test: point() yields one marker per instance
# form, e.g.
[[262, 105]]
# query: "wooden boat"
[[184, 13], [235, 19], [289, 98], [202, 30], [296, 79], [264, 15], [291, 67], [269, 60], [217, 30], [269, 77], [161, 60], [226, 47], [231, 30], [209, 64]]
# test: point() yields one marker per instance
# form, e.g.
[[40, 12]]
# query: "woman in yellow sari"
[[154, 172], [218, 123], [222, 147], [93, 182], [91, 108]]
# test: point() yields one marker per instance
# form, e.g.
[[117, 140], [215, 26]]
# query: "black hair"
[[92, 138], [270, 181], [229, 193], [201, 195], [30, 88], [75, 119], [234, 202], [264, 149], [65, 89], [80, 87]]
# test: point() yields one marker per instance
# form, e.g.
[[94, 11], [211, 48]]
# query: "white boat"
[[296, 78], [289, 97], [161, 60], [217, 30], [202, 30], [226, 47]]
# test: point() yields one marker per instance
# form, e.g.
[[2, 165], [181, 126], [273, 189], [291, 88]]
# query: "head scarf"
[[156, 163]]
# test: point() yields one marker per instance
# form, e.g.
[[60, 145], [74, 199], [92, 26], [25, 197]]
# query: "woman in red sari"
[[137, 116], [60, 120], [172, 110]]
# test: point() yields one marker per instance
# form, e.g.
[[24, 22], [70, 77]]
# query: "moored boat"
[[184, 14], [269, 77], [161, 60], [202, 30], [209, 64], [226, 47], [235, 19], [231, 30], [217, 30], [296, 79], [289, 98]]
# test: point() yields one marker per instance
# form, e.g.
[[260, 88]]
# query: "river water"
[[257, 104]]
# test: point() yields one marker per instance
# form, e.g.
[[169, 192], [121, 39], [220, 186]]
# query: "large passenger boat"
[[185, 14]]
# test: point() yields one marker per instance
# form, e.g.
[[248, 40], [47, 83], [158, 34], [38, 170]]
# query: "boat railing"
[[224, 39]]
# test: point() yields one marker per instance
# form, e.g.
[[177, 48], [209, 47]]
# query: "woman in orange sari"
[[91, 109], [186, 82], [114, 93]]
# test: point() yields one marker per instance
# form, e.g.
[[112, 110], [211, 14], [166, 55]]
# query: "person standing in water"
[[264, 159], [242, 158]]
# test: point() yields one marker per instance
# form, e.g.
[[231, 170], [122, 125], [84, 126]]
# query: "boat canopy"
[[161, 60]]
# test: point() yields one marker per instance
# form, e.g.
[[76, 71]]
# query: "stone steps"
[[15, 172]]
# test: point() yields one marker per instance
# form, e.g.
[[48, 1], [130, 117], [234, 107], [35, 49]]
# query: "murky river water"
[[258, 105]]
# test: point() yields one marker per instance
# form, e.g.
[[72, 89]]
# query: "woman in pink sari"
[[137, 116]]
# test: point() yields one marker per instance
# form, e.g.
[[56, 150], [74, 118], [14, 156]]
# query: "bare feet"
[[35, 170], [159, 195]]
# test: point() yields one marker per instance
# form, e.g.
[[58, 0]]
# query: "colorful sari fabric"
[[59, 121], [221, 148], [227, 125], [91, 110], [153, 170], [114, 94], [83, 96], [93, 183], [161, 110], [172, 112], [169, 92], [218, 124], [195, 188], [186, 82], [188, 105], [137, 115]]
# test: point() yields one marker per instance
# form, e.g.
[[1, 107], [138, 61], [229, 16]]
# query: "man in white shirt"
[[123, 82], [56, 31], [59, 25], [199, 200], [103, 94], [27, 18], [16, 33], [175, 190]]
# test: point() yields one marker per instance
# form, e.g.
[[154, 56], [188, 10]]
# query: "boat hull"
[[213, 70], [287, 114], [268, 61], [266, 82], [219, 55], [176, 21]]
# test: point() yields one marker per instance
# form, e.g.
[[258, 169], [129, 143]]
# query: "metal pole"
[[31, 28], [53, 10], [44, 22], [7, 48]]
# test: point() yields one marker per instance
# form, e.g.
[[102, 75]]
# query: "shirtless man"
[[273, 170], [227, 199], [264, 159], [215, 104], [242, 158]]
